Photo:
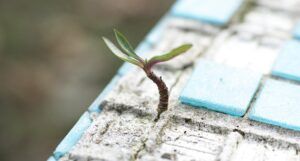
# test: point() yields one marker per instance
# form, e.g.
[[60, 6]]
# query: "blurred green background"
[[53, 65]]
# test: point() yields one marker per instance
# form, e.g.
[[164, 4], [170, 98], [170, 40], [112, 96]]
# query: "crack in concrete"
[[143, 147], [230, 146], [103, 131], [141, 81], [148, 134], [106, 128]]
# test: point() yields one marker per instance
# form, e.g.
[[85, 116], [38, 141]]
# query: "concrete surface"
[[125, 129]]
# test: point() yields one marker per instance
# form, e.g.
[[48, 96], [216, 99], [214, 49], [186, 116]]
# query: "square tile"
[[216, 12], [220, 88], [278, 104], [287, 64]]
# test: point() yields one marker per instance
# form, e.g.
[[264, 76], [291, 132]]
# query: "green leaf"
[[120, 54], [170, 55], [125, 45]]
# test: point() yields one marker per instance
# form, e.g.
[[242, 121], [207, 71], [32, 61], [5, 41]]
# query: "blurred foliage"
[[53, 65]]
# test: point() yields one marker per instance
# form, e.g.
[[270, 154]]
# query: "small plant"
[[127, 54]]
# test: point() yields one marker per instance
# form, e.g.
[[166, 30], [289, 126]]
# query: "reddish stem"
[[163, 92]]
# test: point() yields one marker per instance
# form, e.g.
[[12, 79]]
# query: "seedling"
[[127, 54]]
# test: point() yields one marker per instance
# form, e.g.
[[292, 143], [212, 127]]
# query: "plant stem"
[[163, 92]]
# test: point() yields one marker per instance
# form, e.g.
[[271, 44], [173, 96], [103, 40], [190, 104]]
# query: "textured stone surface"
[[283, 5], [114, 135], [230, 146], [125, 128], [183, 141], [249, 150]]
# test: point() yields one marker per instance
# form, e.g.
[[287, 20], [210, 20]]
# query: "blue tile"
[[278, 104], [217, 12], [287, 64], [220, 88], [141, 50], [95, 106], [51, 159], [73, 136], [296, 32]]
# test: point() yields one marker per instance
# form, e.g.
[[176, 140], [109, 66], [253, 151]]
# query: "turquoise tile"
[[141, 50], [73, 136], [95, 106], [278, 104], [51, 159], [217, 12], [296, 32], [287, 64], [220, 88]]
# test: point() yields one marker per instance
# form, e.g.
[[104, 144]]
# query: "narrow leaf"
[[125, 45], [120, 54], [173, 53]]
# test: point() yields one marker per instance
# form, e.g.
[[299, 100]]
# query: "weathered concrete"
[[183, 133], [284, 5], [249, 150], [113, 136], [125, 130], [230, 146], [182, 141]]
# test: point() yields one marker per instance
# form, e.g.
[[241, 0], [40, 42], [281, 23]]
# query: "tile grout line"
[[290, 81], [255, 96], [230, 146]]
